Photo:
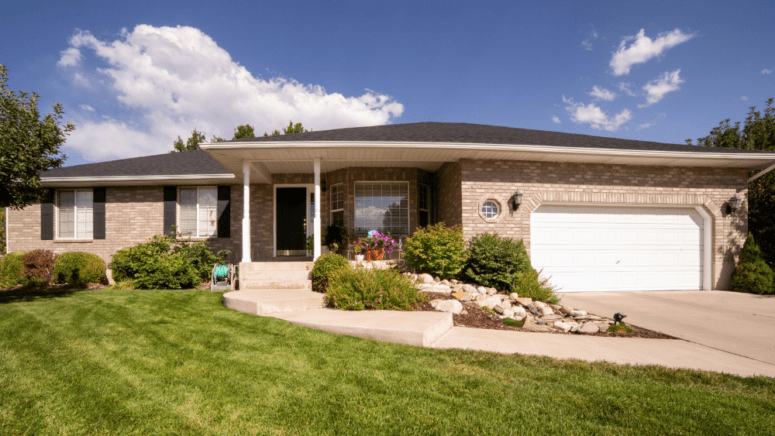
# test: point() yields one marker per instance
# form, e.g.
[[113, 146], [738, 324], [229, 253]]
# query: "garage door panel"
[[595, 248]]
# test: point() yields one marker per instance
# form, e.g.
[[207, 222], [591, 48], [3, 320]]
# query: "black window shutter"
[[47, 215], [224, 211], [170, 209], [99, 213]]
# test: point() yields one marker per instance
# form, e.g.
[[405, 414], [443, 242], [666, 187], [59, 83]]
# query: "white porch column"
[[316, 220], [246, 211]]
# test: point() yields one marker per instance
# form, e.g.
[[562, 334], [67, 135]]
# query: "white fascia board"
[[113, 179], [550, 149]]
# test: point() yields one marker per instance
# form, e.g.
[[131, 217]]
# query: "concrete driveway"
[[741, 324]]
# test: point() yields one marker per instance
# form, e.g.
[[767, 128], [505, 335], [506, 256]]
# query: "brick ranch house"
[[595, 213]]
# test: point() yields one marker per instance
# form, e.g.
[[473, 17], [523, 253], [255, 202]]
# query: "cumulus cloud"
[[556, 119], [594, 116], [86, 107], [602, 94], [174, 79], [766, 71], [656, 89], [587, 43], [643, 48], [625, 88]]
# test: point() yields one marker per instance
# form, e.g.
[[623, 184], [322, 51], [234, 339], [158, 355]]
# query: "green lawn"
[[178, 362]]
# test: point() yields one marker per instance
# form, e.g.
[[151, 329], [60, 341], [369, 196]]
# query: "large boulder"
[[451, 306], [425, 278], [490, 302]]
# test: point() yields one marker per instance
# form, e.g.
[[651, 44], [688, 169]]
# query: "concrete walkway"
[[742, 324], [435, 330]]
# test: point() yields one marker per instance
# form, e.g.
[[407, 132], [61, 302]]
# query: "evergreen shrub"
[[437, 249], [79, 267], [325, 267], [12, 269], [529, 285], [376, 289], [752, 275], [495, 262]]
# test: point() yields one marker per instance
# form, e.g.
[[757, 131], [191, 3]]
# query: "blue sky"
[[133, 76]]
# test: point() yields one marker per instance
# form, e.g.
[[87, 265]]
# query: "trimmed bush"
[[377, 289], [12, 269], [164, 262], [438, 250], [79, 267], [39, 266], [325, 267], [495, 262], [529, 285], [620, 328], [752, 275]]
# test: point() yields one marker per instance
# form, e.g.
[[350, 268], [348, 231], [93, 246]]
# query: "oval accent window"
[[490, 209]]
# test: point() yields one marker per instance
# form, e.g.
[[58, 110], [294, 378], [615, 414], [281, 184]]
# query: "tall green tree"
[[292, 128], [29, 144], [244, 131], [192, 143], [757, 133]]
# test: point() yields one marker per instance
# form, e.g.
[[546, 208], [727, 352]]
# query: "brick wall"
[[449, 205], [591, 184]]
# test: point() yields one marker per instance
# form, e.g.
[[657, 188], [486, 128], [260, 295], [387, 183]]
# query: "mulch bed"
[[479, 319]]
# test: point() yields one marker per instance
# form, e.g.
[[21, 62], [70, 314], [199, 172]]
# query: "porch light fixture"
[[733, 204], [516, 200]]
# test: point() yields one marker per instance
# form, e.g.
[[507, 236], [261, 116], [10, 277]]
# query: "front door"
[[291, 224]]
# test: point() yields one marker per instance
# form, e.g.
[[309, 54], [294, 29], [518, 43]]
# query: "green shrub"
[[438, 250], [529, 285], [39, 266], [164, 262], [752, 275], [380, 289], [325, 267], [513, 322], [79, 267], [495, 262], [620, 328], [12, 270]]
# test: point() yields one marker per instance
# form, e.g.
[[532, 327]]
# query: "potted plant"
[[377, 245], [358, 250]]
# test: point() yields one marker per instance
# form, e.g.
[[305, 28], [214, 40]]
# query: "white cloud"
[[556, 119], [81, 81], [744, 98], [643, 126], [594, 116], [587, 43], [602, 94], [766, 71], [625, 88], [175, 79], [644, 48], [656, 89], [86, 107], [70, 57]]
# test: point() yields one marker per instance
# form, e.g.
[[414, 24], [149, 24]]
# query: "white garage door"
[[610, 248]]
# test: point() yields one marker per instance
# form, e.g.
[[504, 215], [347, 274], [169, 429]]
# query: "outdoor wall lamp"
[[733, 204], [516, 200]]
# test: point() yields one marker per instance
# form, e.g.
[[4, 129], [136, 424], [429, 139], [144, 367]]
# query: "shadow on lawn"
[[30, 293]]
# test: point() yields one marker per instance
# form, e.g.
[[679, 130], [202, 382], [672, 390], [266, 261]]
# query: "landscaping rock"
[[491, 291], [425, 278], [533, 310], [437, 279], [505, 303], [589, 327], [575, 313], [498, 309], [546, 311], [525, 301], [470, 289], [451, 306], [482, 290], [565, 327], [519, 312], [490, 302], [566, 310], [539, 304], [536, 327], [460, 295], [513, 296], [446, 282], [508, 313]]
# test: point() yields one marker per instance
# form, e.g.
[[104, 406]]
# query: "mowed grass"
[[178, 362]]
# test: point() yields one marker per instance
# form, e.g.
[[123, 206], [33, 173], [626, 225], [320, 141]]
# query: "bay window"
[[382, 206]]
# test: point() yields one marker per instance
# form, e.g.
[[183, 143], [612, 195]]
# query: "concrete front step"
[[266, 302], [275, 266], [302, 285], [412, 328], [275, 275]]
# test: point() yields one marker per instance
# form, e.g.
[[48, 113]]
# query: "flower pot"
[[375, 254], [359, 259]]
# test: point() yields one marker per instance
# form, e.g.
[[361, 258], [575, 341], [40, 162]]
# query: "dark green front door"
[[291, 222]]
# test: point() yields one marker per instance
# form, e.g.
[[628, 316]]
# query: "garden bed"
[[475, 317]]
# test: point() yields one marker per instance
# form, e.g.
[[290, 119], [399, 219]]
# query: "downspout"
[[762, 172]]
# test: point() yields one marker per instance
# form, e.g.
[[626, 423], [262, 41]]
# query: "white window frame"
[[408, 202], [497, 209], [75, 215], [177, 214], [331, 199]]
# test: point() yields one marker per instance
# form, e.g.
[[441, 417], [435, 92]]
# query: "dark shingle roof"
[[168, 164], [482, 134]]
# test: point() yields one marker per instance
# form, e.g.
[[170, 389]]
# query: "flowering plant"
[[376, 240]]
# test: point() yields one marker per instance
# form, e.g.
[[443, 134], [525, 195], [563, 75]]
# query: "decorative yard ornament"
[[618, 317]]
